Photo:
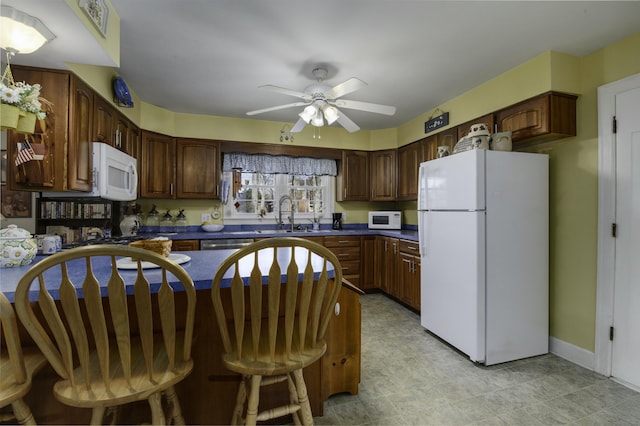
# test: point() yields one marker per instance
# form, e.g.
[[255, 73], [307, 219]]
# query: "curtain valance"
[[279, 164]]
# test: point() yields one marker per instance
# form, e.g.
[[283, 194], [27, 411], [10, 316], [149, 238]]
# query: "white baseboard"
[[575, 354]]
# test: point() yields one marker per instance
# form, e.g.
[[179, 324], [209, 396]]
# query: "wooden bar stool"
[[107, 351], [17, 367], [278, 324]]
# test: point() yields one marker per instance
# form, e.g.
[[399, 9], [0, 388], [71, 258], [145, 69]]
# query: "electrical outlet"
[[344, 216], [205, 217]]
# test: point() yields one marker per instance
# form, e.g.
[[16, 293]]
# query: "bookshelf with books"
[[72, 217]]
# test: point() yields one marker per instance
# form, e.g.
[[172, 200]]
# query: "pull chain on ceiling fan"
[[321, 103]]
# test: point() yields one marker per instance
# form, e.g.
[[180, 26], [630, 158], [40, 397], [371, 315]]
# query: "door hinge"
[[610, 333], [614, 230], [614, 125]]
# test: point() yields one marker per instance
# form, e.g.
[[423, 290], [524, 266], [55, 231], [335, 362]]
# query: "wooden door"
[[197, 169], [383, 175], [429, 148], [352, 182], [156, 166]]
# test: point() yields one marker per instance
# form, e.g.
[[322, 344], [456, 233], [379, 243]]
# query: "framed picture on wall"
[[15, 203]]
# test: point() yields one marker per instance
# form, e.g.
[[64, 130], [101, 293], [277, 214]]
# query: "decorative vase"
[[129, 225], [26, 122], [9, 116], [502, 141]]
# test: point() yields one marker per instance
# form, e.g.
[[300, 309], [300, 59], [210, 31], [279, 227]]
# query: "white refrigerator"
[[483, 226]]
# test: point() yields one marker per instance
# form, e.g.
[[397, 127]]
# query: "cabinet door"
[[133, 142], [383, 175], [352, 181], [367, 263], [409, 157], [429, 148], [48, 173], [104, 117], [156, 166], [197, 168], [545, 117], [385, 259], [79, 161], [121, 133]]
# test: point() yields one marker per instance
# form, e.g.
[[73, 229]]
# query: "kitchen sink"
[[271, 231]]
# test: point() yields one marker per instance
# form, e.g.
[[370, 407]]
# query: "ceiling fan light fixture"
[[22, 33], [330, 114], [318, 120], [308, 113]]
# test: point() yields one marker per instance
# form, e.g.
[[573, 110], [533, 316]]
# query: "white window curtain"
[[279, 164]]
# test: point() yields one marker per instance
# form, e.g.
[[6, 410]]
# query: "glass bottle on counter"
[[181, 222], [153, 220], [166, 224]]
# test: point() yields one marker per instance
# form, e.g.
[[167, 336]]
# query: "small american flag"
[[25, 153]]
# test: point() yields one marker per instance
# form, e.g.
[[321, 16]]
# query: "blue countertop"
[[238, 232], [201, 268]]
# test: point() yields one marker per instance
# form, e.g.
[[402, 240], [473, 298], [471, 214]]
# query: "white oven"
[[385, 220]]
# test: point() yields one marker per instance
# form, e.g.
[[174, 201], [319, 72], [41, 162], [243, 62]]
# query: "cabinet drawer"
[[410, 247], [346, 253], [350, 268], [342, 241]]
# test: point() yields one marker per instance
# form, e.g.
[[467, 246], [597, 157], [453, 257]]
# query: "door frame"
[[606, 216]]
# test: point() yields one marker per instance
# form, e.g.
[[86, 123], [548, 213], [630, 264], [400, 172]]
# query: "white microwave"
[[385, 220], [114, 175]]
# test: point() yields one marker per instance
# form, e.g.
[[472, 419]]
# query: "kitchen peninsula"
[[208, 394]]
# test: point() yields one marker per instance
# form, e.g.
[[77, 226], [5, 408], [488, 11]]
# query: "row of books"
[[74, 210]]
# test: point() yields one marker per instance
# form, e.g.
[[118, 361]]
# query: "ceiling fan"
[[321, 103]]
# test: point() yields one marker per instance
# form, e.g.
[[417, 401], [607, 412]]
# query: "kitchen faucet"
[[291, 218]]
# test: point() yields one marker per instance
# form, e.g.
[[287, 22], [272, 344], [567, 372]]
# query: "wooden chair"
[[276, 327], [111, 351], [17, 367]]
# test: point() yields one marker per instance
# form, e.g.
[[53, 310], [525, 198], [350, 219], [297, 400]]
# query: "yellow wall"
[[573, 161]]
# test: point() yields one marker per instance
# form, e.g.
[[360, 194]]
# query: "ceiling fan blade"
[[289, 92], [275, 108], [298, 126], [344, 88], [365, 106], [346, 122]]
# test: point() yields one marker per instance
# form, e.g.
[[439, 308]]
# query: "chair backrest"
[[11, 339], [82, 321], [295, 306]]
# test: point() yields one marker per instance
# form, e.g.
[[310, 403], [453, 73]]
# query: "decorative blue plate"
[[122, 92]]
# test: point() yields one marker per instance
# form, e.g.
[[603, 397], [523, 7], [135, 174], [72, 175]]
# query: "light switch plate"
[[205, 217]]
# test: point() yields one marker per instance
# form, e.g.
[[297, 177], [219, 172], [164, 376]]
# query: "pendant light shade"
[[22, 33]]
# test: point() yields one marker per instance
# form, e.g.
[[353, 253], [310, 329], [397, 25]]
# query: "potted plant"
[[21, 104]]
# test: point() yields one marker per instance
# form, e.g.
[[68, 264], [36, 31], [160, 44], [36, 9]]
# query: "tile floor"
[[411, 378]]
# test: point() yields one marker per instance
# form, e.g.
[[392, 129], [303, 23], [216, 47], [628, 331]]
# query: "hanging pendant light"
[[22, 33]]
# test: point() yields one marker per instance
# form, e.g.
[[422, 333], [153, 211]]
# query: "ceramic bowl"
[[17, 247], [214, 227]]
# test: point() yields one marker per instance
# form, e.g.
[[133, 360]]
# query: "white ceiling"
[[210, 56]]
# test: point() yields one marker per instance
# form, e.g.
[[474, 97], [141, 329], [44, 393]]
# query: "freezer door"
[[455, 182], [453, 280]]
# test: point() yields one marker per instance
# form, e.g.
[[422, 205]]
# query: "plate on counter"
[[127, 263]]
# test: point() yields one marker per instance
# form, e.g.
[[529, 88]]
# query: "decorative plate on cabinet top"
[[123, 97]]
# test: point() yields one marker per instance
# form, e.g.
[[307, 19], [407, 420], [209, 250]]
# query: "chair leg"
[[22, 412], [174, 406], [293, 398], [241, 397], [157, 415], [303, 399], [254, 399], [97, 414]]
